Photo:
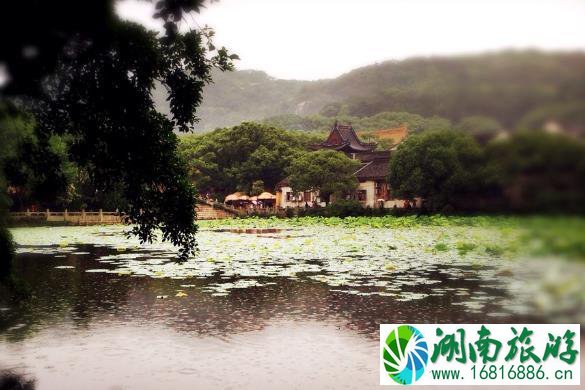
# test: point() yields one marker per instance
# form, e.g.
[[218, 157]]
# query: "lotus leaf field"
[[534, 263], [267, 297]]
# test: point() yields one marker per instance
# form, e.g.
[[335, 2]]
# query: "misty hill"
[[506, 86]]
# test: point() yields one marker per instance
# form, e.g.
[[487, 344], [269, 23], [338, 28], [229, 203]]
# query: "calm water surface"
[[114, 330]]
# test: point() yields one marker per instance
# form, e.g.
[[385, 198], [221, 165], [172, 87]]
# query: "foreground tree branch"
[[87, 74]]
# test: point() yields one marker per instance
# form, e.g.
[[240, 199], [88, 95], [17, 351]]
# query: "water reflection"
[[80, 297], [90, 330]]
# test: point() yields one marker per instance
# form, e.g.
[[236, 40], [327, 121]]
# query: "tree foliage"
[[257, 187], [90, 77], [232, 159], [326, 171], [439, 166], [539, 171], [36, 167]]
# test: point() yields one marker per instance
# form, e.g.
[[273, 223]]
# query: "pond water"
[[285, 308]]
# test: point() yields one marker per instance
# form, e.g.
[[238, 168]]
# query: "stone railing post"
[[82, 215], [28, 212], [47, 214], [66, 215], [101, 215]]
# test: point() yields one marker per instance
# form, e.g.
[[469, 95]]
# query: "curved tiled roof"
[[344, 138], [370, 156], [375, 170]]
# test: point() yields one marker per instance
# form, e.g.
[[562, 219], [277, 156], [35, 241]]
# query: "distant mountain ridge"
[[504, 85]]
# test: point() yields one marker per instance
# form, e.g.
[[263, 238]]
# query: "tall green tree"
[[37, 167], [439, 166], [231, 159], [327, 171], [539, 171], [87, 74]]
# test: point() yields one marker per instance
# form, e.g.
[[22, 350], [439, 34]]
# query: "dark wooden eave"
[[344, 139]]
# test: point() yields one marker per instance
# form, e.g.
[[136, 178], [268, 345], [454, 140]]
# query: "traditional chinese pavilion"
[[373, 188], [344, 139]]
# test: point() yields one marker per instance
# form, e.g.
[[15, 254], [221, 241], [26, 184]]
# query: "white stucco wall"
[[284, 203], [370, 188], [371, 201], [301, 203]]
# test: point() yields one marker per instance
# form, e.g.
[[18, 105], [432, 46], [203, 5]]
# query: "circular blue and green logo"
[[405, 354]]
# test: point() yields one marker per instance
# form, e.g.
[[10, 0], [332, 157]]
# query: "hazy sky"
[[311, 39]]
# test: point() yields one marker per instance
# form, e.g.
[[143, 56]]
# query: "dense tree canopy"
[[325, 171], [87, 75], [540, 171], [257, 187], [232, 159], [36, 167], [439, 166]]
